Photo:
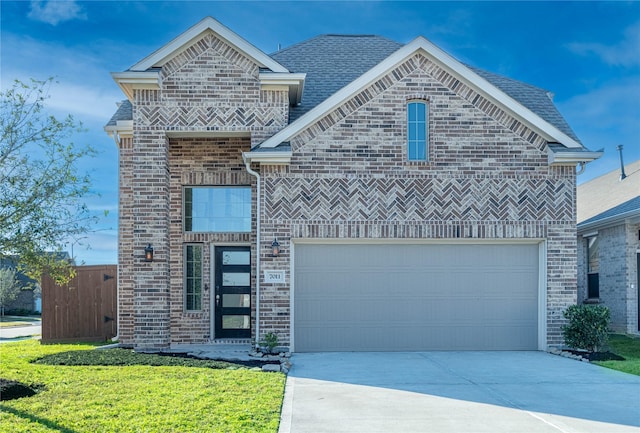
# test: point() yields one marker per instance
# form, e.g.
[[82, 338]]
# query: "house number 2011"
[[274, 276]]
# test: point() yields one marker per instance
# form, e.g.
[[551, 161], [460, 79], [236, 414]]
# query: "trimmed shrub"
[[587, 328]]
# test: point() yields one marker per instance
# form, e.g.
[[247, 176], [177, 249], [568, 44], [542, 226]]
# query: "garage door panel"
[[415, 297]]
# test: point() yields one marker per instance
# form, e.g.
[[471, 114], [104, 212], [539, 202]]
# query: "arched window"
[[417, 130]]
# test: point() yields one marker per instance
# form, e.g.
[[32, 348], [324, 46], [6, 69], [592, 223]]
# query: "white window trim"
[[426, 132]]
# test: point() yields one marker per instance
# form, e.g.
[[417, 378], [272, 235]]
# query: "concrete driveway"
[[456, 392]]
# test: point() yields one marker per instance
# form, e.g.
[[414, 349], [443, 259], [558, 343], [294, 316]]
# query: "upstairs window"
[[217, 209], [417, 130]]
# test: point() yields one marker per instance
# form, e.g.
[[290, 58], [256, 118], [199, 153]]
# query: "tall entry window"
[[217, 209], [417, 130], [193, 277]]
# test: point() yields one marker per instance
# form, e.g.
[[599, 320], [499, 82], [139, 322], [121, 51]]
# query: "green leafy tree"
[[9, 287], [41, 192]]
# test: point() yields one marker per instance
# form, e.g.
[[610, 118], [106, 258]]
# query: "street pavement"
[[8, 335]]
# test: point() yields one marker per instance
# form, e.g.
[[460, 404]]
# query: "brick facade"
[[154, 168], [487, 177], [195, 162], [618, 280], [350, 179]]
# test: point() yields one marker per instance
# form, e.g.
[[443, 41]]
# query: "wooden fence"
[[83, 310]]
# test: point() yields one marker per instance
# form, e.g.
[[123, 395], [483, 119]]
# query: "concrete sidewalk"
[[457, 392]]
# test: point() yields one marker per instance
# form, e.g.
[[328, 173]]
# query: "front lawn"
[[627, 347], [135, 398]]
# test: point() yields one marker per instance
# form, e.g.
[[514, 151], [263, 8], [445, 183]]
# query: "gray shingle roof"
[[624, 208], [534, 98], [331, 62], [124, 112]]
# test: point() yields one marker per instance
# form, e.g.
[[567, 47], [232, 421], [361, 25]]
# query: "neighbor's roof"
[[629, 208], [607, 196]]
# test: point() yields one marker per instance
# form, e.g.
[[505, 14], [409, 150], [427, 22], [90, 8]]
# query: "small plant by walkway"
[[629, 348], [134, 398]]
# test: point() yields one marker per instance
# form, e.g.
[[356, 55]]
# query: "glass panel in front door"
[[233, 292]]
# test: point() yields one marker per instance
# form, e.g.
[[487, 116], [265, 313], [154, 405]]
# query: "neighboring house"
[[609, 245], [26, 299], [415, 202]]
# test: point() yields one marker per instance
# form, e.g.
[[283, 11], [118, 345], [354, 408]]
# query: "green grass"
[[13, 321], [134, 398], [627, 347]]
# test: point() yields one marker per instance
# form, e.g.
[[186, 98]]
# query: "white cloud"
[[95, 248], [54, 12], [82, 101], [603, 118], [613, 107], [624, 53]]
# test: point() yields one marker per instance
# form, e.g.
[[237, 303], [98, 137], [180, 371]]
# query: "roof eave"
[[268, 158], [632, 216], [130, 80], [572, 158], [293, 81]]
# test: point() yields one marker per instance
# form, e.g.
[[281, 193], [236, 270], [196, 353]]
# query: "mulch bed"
[[11, 389], [249, 364], [597, 356]]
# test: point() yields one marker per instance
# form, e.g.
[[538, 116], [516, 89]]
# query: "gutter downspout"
[[247, 165]]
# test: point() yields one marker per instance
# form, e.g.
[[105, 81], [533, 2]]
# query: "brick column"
[[125, 244], [150, 226]]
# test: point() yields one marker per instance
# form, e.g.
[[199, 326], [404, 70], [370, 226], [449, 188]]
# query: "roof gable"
[[159, 57], [463, 73]]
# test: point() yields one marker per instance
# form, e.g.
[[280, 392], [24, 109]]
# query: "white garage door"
[[392, 297]]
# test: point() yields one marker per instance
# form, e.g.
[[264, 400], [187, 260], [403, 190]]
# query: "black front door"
[[233, 292]]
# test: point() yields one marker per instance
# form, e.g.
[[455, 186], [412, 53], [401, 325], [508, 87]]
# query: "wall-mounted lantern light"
[[148, 253], [275, 248]]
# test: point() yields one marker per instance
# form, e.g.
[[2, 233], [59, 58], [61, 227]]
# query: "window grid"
[[417, 127], [193, 277]]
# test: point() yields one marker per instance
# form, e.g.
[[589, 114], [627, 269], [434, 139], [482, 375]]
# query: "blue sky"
[[586, 53]]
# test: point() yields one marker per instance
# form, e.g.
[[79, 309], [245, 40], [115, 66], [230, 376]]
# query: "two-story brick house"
[[415, 202]]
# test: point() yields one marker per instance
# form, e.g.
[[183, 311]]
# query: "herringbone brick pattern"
[[202, 116], [417, 199]]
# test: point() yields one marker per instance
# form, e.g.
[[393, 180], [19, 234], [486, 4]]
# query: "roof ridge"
[[352, 35], [306, 41]]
